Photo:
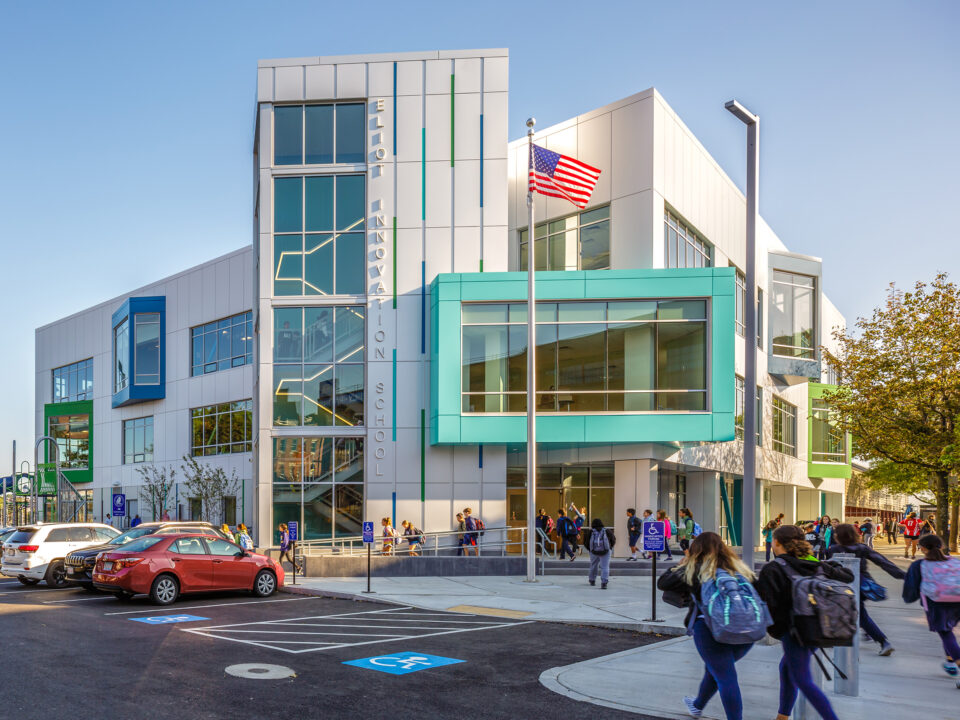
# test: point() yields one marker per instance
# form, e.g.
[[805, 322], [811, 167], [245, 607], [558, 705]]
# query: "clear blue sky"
[[127, 127]]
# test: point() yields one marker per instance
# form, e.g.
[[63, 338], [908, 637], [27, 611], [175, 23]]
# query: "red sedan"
[[164, 566]]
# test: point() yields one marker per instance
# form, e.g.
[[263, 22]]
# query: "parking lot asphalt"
[[76, 653]]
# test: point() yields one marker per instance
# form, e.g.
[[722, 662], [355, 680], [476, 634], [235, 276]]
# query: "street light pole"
[[747, 541]]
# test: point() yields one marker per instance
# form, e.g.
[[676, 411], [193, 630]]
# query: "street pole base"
[[530, 581], [653, 620], [369, 592]]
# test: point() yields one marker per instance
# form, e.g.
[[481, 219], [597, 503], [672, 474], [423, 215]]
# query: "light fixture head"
[[741, 112]]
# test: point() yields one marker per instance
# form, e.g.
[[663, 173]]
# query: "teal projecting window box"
[[623, 356]]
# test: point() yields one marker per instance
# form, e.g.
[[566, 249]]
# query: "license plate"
[[69, 571], [108, 566], [11, 551]]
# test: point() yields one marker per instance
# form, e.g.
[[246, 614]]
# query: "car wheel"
[[26, 580], [164, 590], [122, 595], [56, 576], [265, 584]]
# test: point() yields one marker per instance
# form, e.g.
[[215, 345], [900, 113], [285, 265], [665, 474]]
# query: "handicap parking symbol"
[[402, 663], [167, 619]]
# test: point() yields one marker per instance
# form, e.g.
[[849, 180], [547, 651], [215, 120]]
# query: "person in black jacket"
[[847, 543], [942, 616], [599, 555], [776, 589], [681, 587]]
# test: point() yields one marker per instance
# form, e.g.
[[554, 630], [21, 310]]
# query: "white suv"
[[36, 552]]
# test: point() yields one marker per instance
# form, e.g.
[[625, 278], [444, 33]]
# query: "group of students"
[[568, 528], [730, 608]]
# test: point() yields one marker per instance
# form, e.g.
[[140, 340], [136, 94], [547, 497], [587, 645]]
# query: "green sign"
[[47, 472], [24, 485]]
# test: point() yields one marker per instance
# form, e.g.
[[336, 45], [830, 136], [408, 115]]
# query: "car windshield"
[[131, 534], [143, 543]]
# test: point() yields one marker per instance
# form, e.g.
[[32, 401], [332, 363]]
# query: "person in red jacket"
[[911, 533]]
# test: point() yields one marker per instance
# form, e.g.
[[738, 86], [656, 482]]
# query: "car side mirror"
[[240, 554]]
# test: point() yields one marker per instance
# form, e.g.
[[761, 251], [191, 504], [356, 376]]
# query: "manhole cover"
[[256, 671]]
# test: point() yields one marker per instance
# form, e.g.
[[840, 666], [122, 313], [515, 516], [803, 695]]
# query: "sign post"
[[654, 541], [293, 528], [368, 541]]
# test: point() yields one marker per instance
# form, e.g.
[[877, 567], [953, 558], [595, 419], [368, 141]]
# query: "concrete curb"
[[551, 679], [643, 627]]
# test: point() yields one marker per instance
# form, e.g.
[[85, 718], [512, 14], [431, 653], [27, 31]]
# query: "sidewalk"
[[625, 604], [653, 679]]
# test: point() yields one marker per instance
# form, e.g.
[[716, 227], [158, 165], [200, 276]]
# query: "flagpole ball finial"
[[530, 123]]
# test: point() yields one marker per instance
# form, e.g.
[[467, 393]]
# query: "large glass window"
[[828, 443], [222, 344], [793, 315], [740, 317], [319, 134], [683, 248], [73, 382], [740, 404], [221, 429], [146, 359], [138, 440], [318, 355], [784, 426], [72, 434], [587, 487], [319, 239], [592, 356], [319, 479], [577, 242], [121, 352]]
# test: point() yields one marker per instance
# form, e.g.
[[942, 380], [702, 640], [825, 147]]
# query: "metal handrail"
[[543, 540], [433, 543]]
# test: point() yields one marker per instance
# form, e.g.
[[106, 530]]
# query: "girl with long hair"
[[942, 616], [707, 554], [776, 588]]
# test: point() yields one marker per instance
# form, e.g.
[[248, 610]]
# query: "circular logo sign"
[[24, 485]]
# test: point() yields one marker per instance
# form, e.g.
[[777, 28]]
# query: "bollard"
[[848, 658]]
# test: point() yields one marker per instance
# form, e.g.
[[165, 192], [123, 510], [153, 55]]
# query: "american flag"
[[559, 176]]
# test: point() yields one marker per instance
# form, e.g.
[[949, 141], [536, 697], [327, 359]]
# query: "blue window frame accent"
[[139, 351]]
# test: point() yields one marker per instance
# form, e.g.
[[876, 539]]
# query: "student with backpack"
[[599, 541], [768, 536], [870, 589], [685, 531], [934, 580], [911, 525], [414, 537], [790, 585], [726, 617], [634, 527], [667, 531], [474, 527], [568, 533]]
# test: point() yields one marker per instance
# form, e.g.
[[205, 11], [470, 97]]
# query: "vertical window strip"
[[452, 104], [423, 454], [481, 162], [394, 111]]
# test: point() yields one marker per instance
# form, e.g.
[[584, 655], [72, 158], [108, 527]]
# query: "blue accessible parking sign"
[[402, 663], [368, 532], [168, 619], [654, 536]]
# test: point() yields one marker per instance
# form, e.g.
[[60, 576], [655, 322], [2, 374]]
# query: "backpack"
[[480, 526], [599, 542], [245, 542], [550, 524], [733, 610], [569, 527], [824, 610], [673, 528], [696, 529], [941, 580]]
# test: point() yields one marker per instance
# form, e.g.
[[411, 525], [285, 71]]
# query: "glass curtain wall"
[[221, 429], [682, 247], [318, 134], [73, 382], [319, 479], [585, 486], [793, 315], [72, 434], [577, 242], [784, 427], [318, 356], [594, 356], [222, 344], [146, 360], [828, 443]]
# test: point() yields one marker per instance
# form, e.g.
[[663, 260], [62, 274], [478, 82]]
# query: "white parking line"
[[155, 609], [86, 599], [268, 633]]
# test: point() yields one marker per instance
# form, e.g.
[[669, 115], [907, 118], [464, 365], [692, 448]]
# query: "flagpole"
[[531, 367]]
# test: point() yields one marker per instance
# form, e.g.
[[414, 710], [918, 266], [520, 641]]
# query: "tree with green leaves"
[[899, 392], [156, 488], [210, 485]]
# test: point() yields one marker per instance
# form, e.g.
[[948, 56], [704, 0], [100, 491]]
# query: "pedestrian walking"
[[286, 547], [225, 529], [711, 568], [768, 536], [934, 580], [911, 525], [685, 530], [867, 530], [542, 525], [667, 532], [599, 541], [414, 537], [136, 521], [391, 538], [825, 533], [243, 538], [579, 517], [634, 527], [869, 588], [794, 562], [567, 531], [893, 529], [474, 527], [647, 517], [461, 533], [810, 535]]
